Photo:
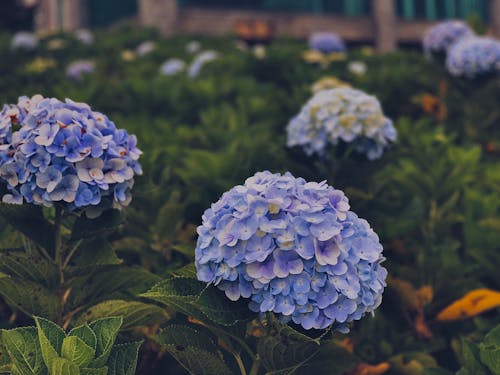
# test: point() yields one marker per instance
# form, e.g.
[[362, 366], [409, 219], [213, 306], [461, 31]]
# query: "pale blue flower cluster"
[[145, 48], [24, 40], [53, 151], [440, 37], [172, 67], [474, 56], [199, 61], [85, 36], [294, 248], [77, 69], [341, 115], [326, 42]]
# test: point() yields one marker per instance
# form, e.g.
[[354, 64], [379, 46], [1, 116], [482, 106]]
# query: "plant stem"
[[58, 257], [240, 364], [255, 367]]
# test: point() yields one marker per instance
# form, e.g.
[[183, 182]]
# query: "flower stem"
[[58, 257], [255, 367], [240, 364]]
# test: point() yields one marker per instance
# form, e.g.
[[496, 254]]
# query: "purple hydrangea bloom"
[[294, 248], [77, 69], [474, 56], [199, 61], [145, 48], [341, 114], [326, 42], [172, 67], [440, 37], [24, 40], [84, 36], [53, 151]]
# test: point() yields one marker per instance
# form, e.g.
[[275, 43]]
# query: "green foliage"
[[88, 349]]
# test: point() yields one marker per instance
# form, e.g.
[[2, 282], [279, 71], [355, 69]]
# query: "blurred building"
[[385, 23]]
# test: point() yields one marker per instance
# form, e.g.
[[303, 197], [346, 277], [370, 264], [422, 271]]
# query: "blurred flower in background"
[[24, 40], [56, 44], [172, 67], [40, 65], [128, 55], [199, 61], [84, 36], [358, 68], [341, 115], [145, 48], [193, 47], [440, 37], [474, 56], [259, 51], [77, 69], [327, 83], [326, 42]]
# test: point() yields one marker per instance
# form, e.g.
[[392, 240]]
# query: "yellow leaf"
[[471, 304]]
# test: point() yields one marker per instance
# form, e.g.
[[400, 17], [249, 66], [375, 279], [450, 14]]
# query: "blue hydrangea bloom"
[[145, 48], [294, 248], [77, 69], [474, 56], [199, 61], [53, 151], [172, 67], [24, 40], [326, 42], [440, 37], [341, 114]]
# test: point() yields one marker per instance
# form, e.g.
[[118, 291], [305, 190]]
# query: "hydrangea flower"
[[440, 37], [474, 56], [199, 61], [326, 83], [326, 42], [63, 152], [341, 115], [24, 40], [294, 248], [84, 36], [357, 68], [77, 69], [172, 67], [193, 47], [145, 47]]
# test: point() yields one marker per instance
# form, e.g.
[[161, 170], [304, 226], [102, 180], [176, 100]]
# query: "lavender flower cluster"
[[341, 114], [443, 35], [326, 42], [24, 40], [200, 61], [474, 56], [53, 151], [294, 248], [77, 69]]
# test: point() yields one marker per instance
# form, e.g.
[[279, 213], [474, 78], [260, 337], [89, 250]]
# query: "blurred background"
[[383, 23]]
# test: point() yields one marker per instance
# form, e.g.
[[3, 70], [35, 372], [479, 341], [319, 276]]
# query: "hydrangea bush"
[[326, 42], [172, 67], [440, 37], [294, 248], [474, 56], [24, 40], [199, 61], [341, 115], [77, 69], [63, 152]]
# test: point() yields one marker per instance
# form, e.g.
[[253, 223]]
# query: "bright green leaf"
[[61, 366], [24, 350], [106, 330], [77, 351], [51, 337]]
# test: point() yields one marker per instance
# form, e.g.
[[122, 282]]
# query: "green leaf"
[[106, 330], [215, 305], [188, 271], [33, 267], [85, 228], [91, 253], [331, 359], [28, 219], [24, 350], [134, 313], [62, 366], [77, 351], [94, 371], [123, 359], [85, 333], [29, 297], [489, 350], [471, 358], [283, 350], [51, 337], [193, 349]]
